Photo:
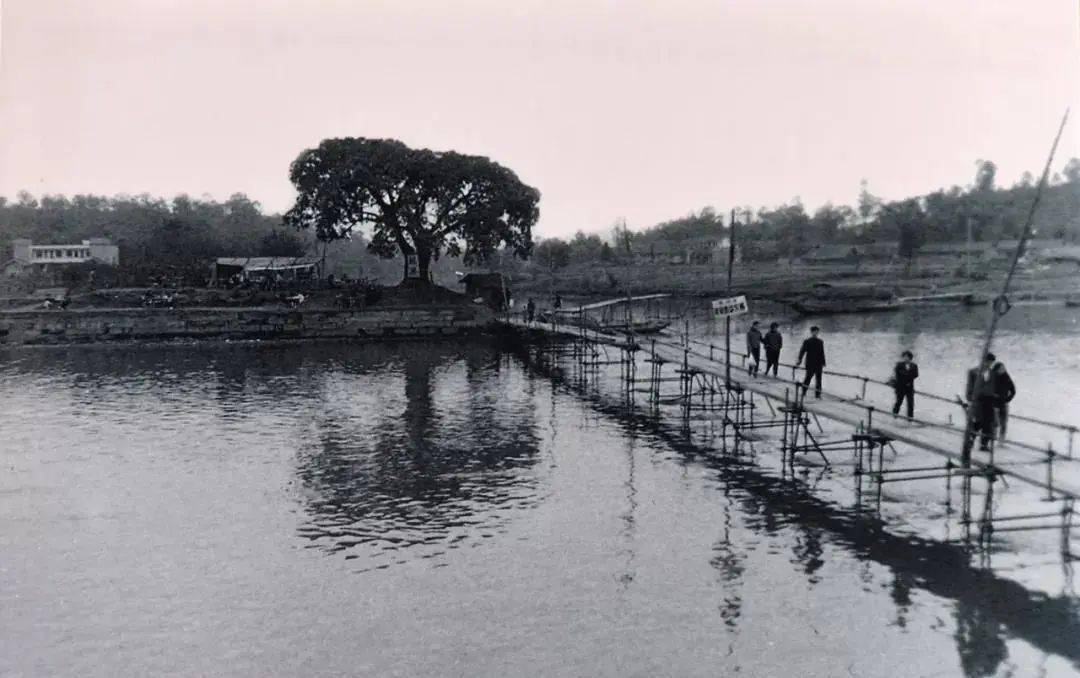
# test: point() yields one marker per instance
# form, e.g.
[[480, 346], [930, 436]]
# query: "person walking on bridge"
[[1005, 391], [773, 341], [753, 349], [904, 375], [813, 349], [982, 397]]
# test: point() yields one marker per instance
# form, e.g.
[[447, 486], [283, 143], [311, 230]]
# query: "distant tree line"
[[153, 234], [993, 213]]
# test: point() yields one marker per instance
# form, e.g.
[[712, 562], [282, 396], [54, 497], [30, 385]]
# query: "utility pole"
[[967, 249], [727, 320]]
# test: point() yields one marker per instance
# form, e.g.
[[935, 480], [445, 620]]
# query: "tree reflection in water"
[[413, 476]]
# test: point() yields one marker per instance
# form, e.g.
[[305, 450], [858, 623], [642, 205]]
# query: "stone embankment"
[[41, 326]]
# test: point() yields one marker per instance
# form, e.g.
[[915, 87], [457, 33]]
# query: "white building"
[[100, 250]]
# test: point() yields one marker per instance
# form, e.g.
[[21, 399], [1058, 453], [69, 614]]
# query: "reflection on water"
[[401, 464], [398, 509], [988, 608]]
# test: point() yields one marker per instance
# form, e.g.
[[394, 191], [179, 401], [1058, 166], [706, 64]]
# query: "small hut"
[[258, 269], [489, 288]]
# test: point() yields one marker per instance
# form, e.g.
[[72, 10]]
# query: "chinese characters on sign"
[[731, 306]]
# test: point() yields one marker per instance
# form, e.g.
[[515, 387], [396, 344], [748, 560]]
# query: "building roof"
[[268, 263], [1062, 253], [483, 280]]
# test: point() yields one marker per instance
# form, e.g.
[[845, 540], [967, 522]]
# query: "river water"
[[443, 509]]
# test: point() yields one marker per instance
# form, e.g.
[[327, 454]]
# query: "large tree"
[[415, 201], [907, 220]]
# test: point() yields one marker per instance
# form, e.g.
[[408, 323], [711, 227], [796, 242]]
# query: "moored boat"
[[832, 307], [637, 327]]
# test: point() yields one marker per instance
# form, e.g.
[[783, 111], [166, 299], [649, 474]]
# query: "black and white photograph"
[[498, 338]]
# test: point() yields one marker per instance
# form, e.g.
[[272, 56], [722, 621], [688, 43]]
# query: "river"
[[442, 509]]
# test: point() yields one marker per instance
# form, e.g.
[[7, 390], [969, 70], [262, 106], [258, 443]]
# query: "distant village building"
[[688, 251], [28, 257]]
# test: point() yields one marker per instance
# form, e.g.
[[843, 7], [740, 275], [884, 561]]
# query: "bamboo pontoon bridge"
[[650, 366]]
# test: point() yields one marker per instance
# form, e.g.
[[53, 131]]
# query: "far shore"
[[791, 284]]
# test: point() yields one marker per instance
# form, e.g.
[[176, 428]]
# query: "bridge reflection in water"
[[988, 607]]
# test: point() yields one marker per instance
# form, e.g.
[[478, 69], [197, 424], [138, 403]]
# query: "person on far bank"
[[813, 349], [530, 310], [773, 341], [904, 375], [558, 302], [753, 349]]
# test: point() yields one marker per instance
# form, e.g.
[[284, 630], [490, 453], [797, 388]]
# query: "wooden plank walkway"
[[939, 438], [568, 331]]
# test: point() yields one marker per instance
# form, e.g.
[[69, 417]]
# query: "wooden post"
[[727, 320]]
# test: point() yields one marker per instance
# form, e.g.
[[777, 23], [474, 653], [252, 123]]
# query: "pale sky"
[[645, 110]]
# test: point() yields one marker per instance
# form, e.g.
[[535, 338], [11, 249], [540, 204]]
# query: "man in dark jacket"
[[753, 348], [813, 349], [773, 341], [1005, 391], [904, 375], [985, 391]]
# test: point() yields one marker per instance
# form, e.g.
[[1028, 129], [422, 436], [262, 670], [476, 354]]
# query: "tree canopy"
[[416, 201]]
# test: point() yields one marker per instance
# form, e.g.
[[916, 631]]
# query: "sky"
[[612, 109]]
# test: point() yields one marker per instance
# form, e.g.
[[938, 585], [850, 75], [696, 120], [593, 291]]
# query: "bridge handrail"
[[1002, 467], [863, 403], [1068, 428]]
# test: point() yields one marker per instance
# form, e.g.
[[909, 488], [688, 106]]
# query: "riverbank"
[[408, 310], [40, 326]]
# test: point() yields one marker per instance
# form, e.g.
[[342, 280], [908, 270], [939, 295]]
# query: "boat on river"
[[637, 327], [837, 306], [834, 298]]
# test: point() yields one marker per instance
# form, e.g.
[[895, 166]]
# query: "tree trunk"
[[406, 250], [423, 256]]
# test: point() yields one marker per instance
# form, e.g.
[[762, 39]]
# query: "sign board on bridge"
[[730, 306]]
